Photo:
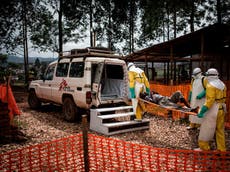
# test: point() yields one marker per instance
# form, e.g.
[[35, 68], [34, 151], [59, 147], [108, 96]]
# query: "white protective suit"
[[198, 85]]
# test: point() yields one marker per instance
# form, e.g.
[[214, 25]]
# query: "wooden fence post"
[[85, 142]]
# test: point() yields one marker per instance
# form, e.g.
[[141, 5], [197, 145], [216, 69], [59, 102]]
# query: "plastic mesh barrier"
[[59, 155], [109, 154]]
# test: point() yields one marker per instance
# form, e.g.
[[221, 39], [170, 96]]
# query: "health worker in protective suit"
[[213, 113], [138, 83], [197, 93]]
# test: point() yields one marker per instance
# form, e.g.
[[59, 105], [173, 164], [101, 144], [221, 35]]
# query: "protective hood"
[[216, 82], [199, 75], [135, 69]]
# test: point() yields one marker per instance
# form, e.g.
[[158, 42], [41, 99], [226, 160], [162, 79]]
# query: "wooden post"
[[172, 67], [85, 142], [202, 51]]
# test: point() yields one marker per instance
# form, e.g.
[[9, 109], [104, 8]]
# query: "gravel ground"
[[46, 125]]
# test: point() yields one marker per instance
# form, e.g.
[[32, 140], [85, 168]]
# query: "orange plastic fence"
[[60, 155], [109, 154], [6, 96], [167, 90]]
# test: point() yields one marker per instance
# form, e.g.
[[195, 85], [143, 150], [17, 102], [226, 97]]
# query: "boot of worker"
[[138, 114], [204, 145], [182, 100]]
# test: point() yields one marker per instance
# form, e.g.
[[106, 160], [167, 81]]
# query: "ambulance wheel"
[[33, 100], [69, 109]]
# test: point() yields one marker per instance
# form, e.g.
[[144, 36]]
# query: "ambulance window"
[[62, 69], [50, 72], [114, 71], [77, 69]]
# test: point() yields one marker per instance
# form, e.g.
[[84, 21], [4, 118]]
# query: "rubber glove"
[[201, 95], [202, 111], [132, 91], [148, 91], [189, 96]]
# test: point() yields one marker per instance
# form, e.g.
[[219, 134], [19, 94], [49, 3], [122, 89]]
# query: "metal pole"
[[85, 142]]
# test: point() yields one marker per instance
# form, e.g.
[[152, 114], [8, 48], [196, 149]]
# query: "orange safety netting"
[[6, 96], [167, 90], [109, 154]]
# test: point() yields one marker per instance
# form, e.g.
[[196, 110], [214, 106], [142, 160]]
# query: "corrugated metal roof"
[[208, 43]]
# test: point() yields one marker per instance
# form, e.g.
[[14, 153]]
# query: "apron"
[[139, 87], [208, 127], [197, 88]]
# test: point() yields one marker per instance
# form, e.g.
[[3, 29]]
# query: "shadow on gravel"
[[50, 108]]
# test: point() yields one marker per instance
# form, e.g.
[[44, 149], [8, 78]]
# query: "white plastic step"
[[117, 115], [113, 108], [119, 131], [117, 124], [110, 124]]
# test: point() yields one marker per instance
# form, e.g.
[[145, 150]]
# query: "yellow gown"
[[138, 83]]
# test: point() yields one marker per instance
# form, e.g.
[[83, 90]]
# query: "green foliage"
[[37, 63], [3, 67], [34, 15], [137, 23]]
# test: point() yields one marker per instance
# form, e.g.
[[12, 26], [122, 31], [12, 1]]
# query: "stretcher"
[[180, 112]]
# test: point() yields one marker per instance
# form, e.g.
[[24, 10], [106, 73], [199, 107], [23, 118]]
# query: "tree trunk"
[[25, 44], [91, 23], [60, 27], [174, 24], [192, 17], [131, 28], [110, 28], [218, 9]]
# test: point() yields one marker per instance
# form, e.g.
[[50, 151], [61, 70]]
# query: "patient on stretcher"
[[176, 100]]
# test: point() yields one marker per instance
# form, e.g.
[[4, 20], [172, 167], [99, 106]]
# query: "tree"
[[152, 18], [12, 67], [48, 24], [20, 19], [37, 63], [225, 11], [3, 65], [13, 14]]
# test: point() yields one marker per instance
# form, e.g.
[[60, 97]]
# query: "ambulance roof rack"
[[90, 51]]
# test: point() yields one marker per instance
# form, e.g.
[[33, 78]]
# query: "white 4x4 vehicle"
[[82, 79]]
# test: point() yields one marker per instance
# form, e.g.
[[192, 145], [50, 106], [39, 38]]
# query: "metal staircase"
[[115, 120]]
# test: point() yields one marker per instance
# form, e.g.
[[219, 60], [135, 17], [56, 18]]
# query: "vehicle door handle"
[[79, 88]]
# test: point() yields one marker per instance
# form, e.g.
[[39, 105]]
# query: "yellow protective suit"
[[138, 83], [213, 121]]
